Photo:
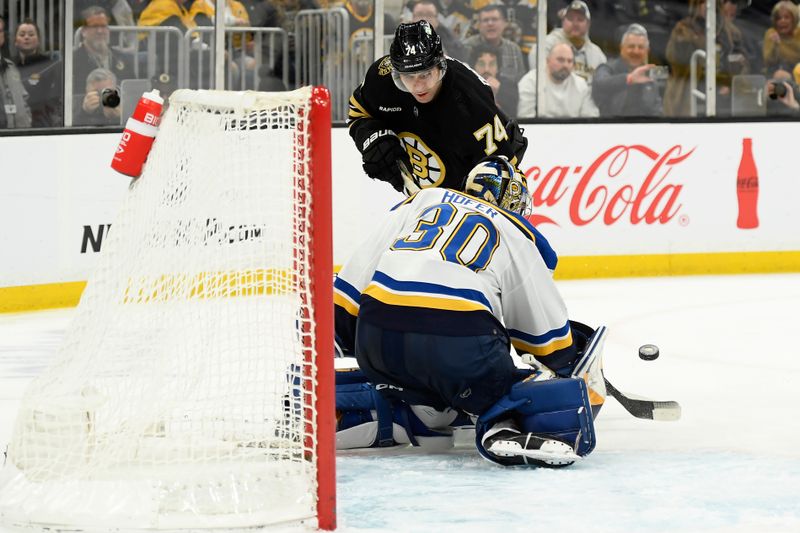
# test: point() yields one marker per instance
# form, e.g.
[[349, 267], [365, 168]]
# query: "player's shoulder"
[[380, 71], [467, 82], [462, 71], [427, 196]]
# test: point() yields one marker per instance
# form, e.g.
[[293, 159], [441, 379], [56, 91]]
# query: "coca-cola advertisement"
[[625, 182], [669, 189], [747, 188]]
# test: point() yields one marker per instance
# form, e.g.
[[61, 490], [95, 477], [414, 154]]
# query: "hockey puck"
[[648, 352]]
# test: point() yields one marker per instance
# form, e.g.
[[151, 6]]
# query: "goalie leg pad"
[[366, 419], [558, 409], [589, 365]]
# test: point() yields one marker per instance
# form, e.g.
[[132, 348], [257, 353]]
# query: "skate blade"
[[552, 452]]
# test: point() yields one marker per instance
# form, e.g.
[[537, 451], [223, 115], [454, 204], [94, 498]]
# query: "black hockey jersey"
[[444, 138]]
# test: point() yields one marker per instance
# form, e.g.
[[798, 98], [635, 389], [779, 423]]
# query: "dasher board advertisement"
[[620, 190], [664, 188]]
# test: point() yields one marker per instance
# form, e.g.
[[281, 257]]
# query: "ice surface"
[[731, 464]]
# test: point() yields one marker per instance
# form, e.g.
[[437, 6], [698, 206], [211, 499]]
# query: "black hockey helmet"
[[416, 46]]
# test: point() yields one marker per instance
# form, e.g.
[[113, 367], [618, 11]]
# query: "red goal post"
[[195, 387]]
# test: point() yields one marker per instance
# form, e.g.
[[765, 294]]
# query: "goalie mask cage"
[[194, 387]]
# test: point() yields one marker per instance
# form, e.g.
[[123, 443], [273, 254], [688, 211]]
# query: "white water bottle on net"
[[194, 388]]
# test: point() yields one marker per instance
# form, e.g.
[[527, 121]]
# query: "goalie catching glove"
[[383, 154]]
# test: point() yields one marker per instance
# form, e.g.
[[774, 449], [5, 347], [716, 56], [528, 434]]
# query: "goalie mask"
[[496, 180], [416, 49]]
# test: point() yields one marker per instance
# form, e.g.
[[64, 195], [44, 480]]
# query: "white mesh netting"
[[181, 395]]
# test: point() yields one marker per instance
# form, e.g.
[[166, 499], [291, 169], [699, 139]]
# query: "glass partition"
[[555, 60]]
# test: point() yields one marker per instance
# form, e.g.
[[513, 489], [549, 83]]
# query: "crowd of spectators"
[[626, 58]]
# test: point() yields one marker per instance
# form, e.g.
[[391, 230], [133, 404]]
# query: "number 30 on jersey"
[[471, 238]]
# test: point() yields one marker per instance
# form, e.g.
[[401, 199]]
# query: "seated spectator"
[[489, 65], [183, 15], [243, 44], [734, 58], [565, 93], [14, 110], [362, 21], [280, 14], [574, 31], [95, 51], [782, 40], [521, 16], [452, 45], [623, 86], [611, 19], [41, 75], [750, 38], [783, 100], [120, 13], [688, 36], [491, 24], [3, 43], [457, 15], [93, 111]]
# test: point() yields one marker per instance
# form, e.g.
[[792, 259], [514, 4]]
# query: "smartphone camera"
[[658, 73]]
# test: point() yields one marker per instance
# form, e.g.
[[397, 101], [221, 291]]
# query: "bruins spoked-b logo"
[[426, 165], [385, 66]]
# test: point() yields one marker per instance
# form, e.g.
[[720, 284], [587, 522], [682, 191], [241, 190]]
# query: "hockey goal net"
[[194, 387]]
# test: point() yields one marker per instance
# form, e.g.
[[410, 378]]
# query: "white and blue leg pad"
[[366, 419], [589, 366], [556, 408]]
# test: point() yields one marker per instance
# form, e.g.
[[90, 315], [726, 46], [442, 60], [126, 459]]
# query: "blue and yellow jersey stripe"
[[404, 202], [390, 291], [542, 345], [346, 296]]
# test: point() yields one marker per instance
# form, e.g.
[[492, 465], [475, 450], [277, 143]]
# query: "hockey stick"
[[644, 408], [411, 186]]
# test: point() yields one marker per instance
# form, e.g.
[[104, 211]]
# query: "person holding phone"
[[629, 86]]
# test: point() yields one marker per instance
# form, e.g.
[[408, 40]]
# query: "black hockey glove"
[[381, 153]]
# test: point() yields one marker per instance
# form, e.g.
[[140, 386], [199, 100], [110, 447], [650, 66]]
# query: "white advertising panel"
[[663, 188], [598, 189]]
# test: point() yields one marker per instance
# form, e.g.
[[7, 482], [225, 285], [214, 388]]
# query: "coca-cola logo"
[[625, 181]]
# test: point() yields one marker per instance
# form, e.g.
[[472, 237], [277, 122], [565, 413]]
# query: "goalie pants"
[[466, 373]]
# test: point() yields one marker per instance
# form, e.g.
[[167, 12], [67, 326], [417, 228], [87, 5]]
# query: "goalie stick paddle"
[[644, 408]]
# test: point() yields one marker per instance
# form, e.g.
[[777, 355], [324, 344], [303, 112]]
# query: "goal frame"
[[321, 217], [67, 420]]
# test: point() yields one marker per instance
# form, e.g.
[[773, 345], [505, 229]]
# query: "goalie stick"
[[644, 408]]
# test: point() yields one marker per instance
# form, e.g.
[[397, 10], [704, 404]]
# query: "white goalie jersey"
[[447, 263]]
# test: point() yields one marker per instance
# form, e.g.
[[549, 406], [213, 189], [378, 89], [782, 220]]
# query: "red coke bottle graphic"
[[138, 136], [747, 188]]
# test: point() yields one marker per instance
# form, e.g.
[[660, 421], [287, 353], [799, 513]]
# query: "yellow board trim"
[[68, 294], [38, 297], [622, 266]]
